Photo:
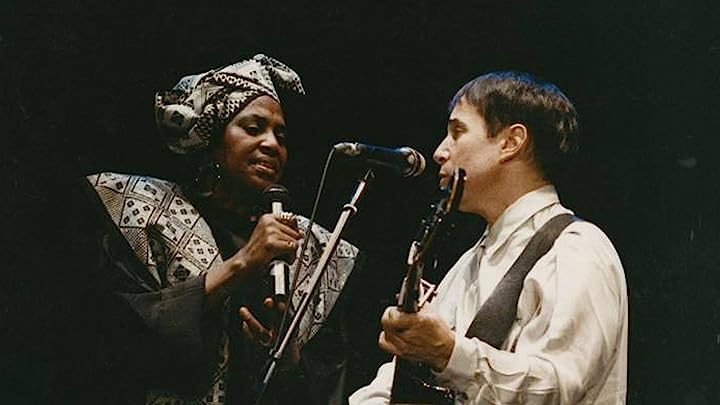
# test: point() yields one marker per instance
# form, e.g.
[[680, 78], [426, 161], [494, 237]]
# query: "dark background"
[[78, 77]]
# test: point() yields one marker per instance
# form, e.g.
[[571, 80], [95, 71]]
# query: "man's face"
[[254, 151], [468, 146]]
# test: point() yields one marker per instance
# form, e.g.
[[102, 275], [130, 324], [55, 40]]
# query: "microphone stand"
[[348, 210]]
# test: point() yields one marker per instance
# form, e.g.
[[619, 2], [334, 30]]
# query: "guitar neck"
[[410, 292], [413, 382]]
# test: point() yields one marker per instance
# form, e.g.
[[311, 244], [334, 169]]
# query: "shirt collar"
[[516, 215]]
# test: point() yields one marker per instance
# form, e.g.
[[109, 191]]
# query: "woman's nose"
[[270, 142]]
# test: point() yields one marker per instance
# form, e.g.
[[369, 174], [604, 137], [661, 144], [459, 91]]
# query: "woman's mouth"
[[266, 167]]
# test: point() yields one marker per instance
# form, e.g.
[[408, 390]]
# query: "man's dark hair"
[[506, 98]]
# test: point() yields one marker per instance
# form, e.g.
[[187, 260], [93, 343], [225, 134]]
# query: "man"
[[568, 341]]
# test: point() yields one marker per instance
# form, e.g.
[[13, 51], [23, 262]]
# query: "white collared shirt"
[[568, 344]]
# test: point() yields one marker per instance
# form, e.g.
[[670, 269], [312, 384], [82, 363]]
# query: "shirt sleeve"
[[566, 348], [378, 391]]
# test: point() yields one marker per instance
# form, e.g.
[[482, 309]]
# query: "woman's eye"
[[253, 130]]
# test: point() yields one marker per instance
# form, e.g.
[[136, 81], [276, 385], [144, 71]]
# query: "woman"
[[183, 259]]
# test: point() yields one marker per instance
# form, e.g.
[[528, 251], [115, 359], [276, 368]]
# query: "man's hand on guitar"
[[421, 336]]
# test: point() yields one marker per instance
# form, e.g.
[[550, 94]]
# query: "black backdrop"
[[77, 84]]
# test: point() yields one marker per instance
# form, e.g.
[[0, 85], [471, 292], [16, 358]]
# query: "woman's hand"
[[264, 336], [274, 236]]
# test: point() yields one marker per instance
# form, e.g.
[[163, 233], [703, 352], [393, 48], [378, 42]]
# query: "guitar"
[[413, 382]]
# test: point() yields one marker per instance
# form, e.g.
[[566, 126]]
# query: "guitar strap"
[[493, 321]]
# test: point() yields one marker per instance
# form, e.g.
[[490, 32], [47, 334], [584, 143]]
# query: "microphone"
[[278, 197], [405, 161]]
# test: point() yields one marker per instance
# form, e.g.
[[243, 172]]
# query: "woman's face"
[[253, 150]]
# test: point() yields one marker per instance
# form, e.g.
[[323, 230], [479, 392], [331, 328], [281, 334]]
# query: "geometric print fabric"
[[168, 236], [174, 243], [161, 225]]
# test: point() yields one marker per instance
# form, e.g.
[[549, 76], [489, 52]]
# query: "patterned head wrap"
[[198, 105]]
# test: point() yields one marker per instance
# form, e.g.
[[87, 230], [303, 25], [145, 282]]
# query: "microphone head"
[[415, 160], [277, 193], [405, 161], [347, 148]]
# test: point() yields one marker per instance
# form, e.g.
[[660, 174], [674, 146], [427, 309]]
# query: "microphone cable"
[[299, 259]]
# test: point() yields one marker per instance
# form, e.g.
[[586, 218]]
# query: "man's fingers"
[[395, 320], [382, 342], [386, 342]]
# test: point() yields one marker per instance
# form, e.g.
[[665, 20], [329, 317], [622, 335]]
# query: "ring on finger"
[[287, 217]]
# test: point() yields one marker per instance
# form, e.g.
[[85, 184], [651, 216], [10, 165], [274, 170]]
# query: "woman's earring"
[[207, 179]]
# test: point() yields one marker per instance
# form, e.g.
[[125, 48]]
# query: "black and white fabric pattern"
[[199, 105], [174, 243]]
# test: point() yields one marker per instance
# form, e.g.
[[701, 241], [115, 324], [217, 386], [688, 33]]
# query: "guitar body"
[[414, 384]]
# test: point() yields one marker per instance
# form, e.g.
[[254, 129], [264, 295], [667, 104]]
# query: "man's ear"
[[515, 141]]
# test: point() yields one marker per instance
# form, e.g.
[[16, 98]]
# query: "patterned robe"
[[176, 248]]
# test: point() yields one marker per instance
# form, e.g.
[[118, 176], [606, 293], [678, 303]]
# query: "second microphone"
[[405, 161]]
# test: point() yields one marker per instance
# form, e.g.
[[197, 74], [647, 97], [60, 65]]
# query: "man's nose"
[[442, 153]]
